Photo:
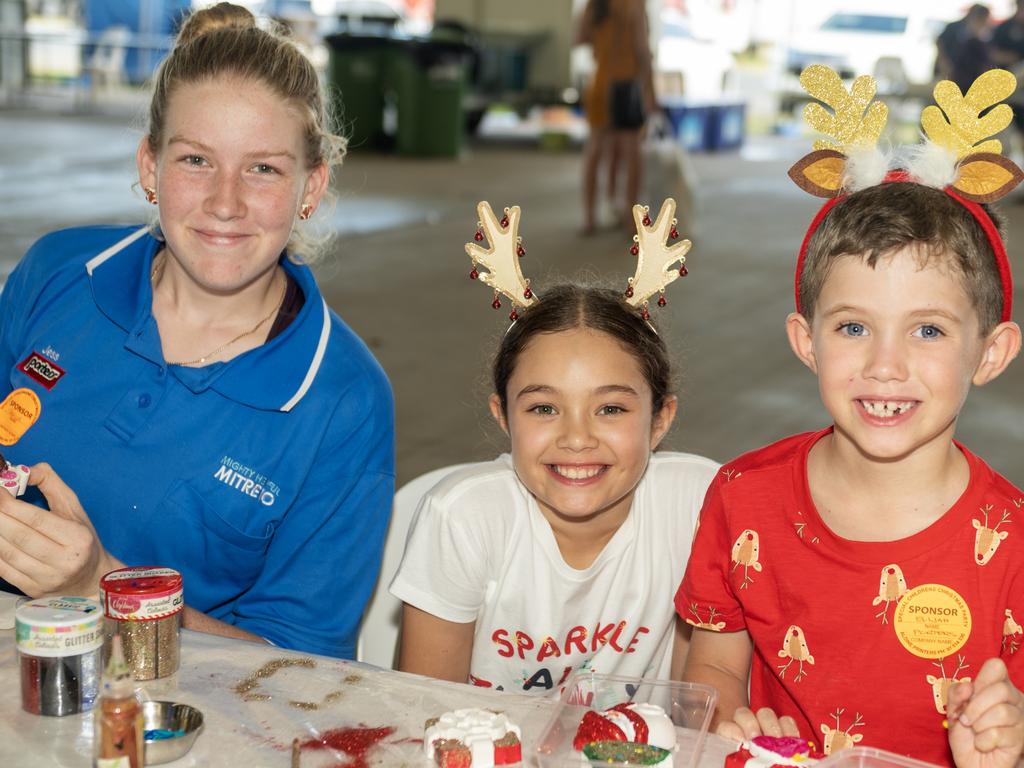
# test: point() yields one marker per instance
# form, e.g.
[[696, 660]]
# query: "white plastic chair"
[[378, 636]]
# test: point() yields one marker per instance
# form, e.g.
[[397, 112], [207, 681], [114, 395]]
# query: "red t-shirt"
[[826, 615]]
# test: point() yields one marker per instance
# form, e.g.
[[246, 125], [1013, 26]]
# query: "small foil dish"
[[674, 712], [170, 729]]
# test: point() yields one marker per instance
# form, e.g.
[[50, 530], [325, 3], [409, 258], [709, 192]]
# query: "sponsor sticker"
[[45, 371], [18, 412], [932, 621]]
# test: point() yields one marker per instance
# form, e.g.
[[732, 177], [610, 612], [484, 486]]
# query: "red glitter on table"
[[354, 742]]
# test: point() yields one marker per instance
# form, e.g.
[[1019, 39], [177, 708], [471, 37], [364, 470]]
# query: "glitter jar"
[[59, 643], [144, 605]]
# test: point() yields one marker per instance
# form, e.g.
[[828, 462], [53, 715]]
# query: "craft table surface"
[[258, 734]]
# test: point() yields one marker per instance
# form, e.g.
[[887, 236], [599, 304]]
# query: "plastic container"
[[691, 123], [144, 605], [689, 705], [726, 128], [869, 757], [59, 643]]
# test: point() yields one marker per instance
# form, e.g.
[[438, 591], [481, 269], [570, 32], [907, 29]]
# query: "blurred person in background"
[[620, 97], [1007, 50], [963, 48]]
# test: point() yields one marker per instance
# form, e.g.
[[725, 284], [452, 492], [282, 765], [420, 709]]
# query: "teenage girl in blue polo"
[[200, 407]]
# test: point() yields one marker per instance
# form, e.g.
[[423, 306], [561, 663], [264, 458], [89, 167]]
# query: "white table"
[[254, 734]]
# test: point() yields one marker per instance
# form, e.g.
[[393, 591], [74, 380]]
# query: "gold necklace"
[[157, 272]]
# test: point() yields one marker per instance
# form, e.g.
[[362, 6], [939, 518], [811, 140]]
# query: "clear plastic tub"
[[868, 757], [689, 705]]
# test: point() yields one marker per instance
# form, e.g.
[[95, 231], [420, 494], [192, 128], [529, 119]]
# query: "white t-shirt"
[[480, 550]]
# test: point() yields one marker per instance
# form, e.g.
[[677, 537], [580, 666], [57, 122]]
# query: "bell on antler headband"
[[655, 263], [955, 157]]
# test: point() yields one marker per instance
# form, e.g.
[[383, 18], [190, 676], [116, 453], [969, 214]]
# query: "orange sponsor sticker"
[[18, 412], [932, 621]]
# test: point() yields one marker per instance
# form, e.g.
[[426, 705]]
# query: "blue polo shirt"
[[266, 480]]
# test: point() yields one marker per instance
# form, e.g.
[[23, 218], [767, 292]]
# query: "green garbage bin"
[[428, 78], [356, 72]]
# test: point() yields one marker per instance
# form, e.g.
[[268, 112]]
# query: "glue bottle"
[[118, 716]]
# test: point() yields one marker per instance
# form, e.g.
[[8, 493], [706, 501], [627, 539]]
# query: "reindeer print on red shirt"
[[940, 685], [987, 540], [840, 738]]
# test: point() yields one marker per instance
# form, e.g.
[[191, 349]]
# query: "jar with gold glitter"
[[144, 605]]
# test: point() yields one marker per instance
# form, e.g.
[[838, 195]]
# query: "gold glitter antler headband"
[[983, 174], [501, 257], [654, 256], [957, 155], [855, 124]]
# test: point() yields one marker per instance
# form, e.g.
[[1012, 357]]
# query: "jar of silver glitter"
[[59, 642], [145, 606]]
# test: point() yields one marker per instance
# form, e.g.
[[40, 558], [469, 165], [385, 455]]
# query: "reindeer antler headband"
[[955, 157], [656, 257]]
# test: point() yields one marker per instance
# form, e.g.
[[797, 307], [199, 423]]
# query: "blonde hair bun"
[[219, 16]]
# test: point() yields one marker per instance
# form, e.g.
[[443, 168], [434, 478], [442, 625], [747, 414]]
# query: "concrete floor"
[[397, 273]]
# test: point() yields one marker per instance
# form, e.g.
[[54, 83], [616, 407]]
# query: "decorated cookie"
[[631, 734], [626, 753], [472, 738], [769, 751]]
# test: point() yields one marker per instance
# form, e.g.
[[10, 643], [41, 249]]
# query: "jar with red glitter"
[[145, 606]]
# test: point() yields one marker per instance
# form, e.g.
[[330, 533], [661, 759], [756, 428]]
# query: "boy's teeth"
[[886, 408], [576, 473]]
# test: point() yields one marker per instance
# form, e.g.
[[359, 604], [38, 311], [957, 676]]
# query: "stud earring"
[[306, 211], [150, 195]]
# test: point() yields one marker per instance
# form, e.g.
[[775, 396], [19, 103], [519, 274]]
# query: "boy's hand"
[[986, 719], [746, 724]]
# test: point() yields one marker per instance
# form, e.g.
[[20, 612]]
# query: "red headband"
[[979, 214]]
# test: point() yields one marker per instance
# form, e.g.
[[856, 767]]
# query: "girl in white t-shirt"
[[565, 554]]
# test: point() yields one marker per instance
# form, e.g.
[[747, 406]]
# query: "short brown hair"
[[568, 306], [880, 220]]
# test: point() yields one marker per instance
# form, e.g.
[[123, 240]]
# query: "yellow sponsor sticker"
[[18, 412], [932, 621]]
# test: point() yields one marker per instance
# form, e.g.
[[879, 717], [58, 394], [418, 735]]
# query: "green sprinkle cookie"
[[625, 752]]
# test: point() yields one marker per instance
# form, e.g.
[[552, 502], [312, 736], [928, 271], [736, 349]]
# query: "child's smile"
[[885, 413], [577, 474], [895, 347], [580, 420]]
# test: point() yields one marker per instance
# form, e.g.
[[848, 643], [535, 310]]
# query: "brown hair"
[[224, 40], [882, 219], [567, 307]]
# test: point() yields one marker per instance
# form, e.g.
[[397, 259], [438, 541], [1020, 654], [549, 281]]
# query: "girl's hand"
[[746, 724], [986, 719], [50, 552]]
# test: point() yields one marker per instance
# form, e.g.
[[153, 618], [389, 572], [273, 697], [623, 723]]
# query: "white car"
[[702, 65], [895, 43]]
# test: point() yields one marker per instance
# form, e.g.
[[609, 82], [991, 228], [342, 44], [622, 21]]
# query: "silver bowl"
[[170, 716]]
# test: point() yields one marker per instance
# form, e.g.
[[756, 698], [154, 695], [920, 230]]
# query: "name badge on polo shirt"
[[18, 412], [45, 371]]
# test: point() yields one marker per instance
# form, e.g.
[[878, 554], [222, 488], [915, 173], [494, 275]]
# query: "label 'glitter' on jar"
[[59, 641], [145, 606]]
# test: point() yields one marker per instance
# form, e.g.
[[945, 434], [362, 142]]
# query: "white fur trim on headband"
[[931, 164], [865, 167]]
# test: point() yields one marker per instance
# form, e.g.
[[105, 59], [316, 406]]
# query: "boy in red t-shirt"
[[868, 578]]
